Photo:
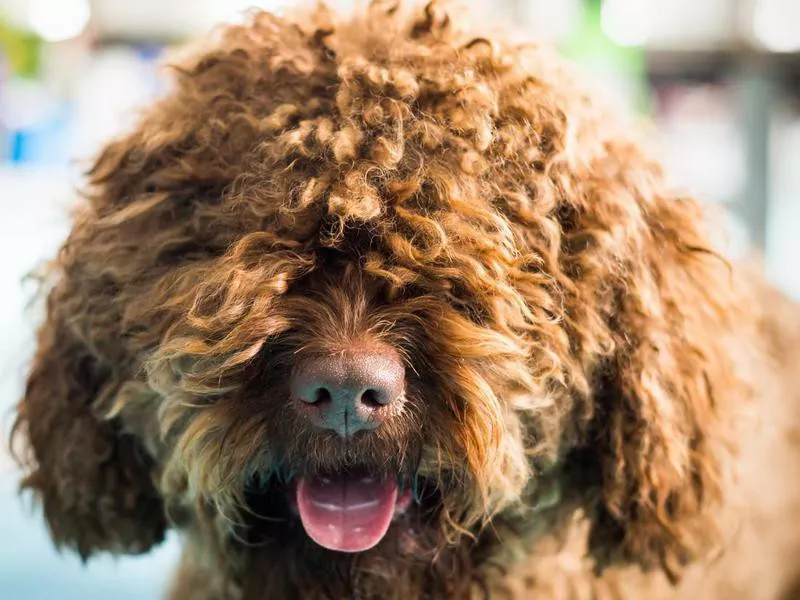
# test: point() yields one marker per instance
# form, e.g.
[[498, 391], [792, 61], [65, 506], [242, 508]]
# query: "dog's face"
[[395, 358], [341, 400], [344, 402], [371, 288]]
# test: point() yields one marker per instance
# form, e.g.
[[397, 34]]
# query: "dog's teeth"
[[325, 480], [368, 480]]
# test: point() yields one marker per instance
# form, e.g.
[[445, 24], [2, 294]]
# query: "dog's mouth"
[[348, 511], [345, 511]]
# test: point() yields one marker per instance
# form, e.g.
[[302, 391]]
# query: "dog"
[[375, 306]]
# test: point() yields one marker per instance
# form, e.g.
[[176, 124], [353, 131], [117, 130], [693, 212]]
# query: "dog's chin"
[[348, 511]]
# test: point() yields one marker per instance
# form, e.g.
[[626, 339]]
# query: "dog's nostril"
[[321, 396], [371, 399]]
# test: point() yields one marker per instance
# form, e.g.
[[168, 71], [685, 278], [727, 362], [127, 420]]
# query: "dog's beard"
[[441, 467], [265, 474], [343, 494], [280, 557]]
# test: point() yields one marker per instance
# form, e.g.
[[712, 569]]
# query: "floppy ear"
[[664, 385], [93, 482]]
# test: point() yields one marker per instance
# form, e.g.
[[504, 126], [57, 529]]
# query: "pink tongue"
[[346, 513]]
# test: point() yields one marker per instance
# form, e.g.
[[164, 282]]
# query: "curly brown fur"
[[578, 355]]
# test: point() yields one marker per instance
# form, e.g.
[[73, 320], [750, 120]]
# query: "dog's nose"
[[349, 391]]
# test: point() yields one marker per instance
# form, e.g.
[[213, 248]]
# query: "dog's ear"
[[658, 318], [93, 482]]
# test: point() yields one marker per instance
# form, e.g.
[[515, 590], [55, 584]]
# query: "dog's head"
[[380, 283]]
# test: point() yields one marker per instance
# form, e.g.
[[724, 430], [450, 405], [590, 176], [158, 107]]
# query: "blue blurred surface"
[[31, 570]]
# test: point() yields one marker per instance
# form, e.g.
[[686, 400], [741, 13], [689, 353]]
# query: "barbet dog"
[[376, 307]]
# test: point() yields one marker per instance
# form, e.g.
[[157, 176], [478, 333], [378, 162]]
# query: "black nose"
[[349, 391]]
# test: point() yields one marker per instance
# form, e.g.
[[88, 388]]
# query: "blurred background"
[[719, 77]]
